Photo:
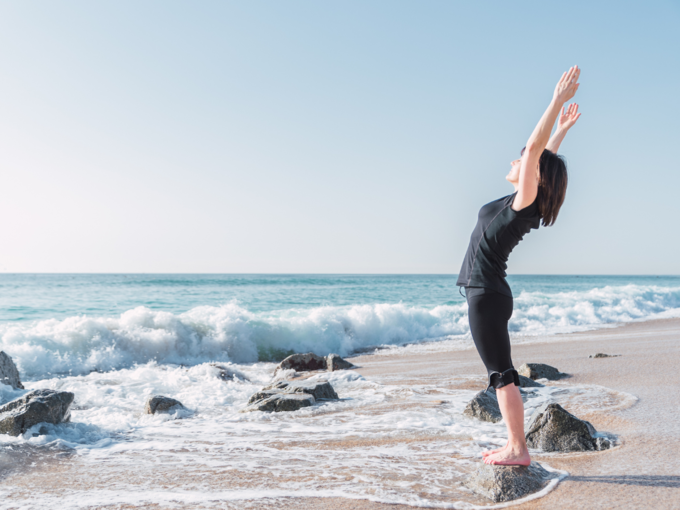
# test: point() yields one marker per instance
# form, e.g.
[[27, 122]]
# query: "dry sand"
[[644, 472]]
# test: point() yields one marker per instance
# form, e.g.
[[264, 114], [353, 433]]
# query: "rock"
[[526, 382], [161, 404], [603, 355], [38, 406], [321, 390], [275, 397], [303, 362], [484, 406], [552, 429], [229, 374], [278, 385], [507, 483], [261, 395], [540, 371], [9, 373], [335, 362], [280, 402]]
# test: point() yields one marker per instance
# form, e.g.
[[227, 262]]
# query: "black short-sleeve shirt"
[[499, 229]]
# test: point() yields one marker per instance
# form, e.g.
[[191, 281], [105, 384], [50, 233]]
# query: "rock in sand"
[[540, 371], [38, 406], [335, 362], [552, 429], [507, 483], [484, 406], [526, 382], [603, 355], [290, 396], [161, 404], [303, 362], [9, 373], [280, 402]]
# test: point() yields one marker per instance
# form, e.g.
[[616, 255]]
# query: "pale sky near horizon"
[[328, 137]]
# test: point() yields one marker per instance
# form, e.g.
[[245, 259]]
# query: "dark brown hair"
[[552, 187]]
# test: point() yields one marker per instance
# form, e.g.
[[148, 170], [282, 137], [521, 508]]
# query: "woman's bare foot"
[[486, 453], [509, 457]]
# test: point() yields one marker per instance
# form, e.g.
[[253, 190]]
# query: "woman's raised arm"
[[565, 122], [529, 172]]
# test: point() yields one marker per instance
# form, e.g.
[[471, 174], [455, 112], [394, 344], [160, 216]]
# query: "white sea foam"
[[395, 443], [81, 344]]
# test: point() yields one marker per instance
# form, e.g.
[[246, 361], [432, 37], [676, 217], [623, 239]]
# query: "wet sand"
[[643, 472]]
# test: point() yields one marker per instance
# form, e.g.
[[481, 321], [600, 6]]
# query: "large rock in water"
[[303, 362], [9, 373], [526, 382], [335, 362], [280, 402], [552, 429], [161, 404], [38, 406], [290, 396], [484, 406], [507, 483], [540, 371], [320, 390]]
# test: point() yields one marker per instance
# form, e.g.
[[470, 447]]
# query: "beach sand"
[[643, 472]]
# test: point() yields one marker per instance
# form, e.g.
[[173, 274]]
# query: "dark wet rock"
[[277, 385], [507, 483], [552, 429], [161, 404], [229, 374], [484, 406], [281, 402], [540, 371], [603, 355], [38, 406], [526, 382], [262, 395], [303, 362], [335, 362], [275, 396], [321, 390], [9, 373]]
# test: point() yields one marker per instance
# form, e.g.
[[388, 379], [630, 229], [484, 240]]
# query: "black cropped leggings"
[[489, 312]]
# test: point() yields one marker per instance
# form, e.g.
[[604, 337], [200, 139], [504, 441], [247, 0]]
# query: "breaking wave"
[[82, 344]]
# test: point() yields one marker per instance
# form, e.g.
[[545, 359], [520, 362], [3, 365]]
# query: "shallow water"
[[383, 441]]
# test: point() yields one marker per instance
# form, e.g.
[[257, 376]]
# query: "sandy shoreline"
[[644, 472]]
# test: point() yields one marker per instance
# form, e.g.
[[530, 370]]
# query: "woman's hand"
[[568, 117], [567, 86]]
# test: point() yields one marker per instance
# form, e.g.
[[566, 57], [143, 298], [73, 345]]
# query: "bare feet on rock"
[[486, 453], [509, 457]]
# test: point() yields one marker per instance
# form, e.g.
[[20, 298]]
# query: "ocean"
[[114, 340], [75, 324]]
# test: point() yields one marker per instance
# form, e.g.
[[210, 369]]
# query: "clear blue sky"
[[307, 136]]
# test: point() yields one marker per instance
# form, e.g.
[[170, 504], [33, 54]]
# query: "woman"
[[540, 181]]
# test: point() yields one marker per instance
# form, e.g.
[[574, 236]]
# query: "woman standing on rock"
[[540, 180]]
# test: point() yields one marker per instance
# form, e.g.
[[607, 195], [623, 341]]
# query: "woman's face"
[[513, 176]]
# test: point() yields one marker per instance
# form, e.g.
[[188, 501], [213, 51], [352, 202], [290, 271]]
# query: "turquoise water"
[[79, 323], [26, 297]]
